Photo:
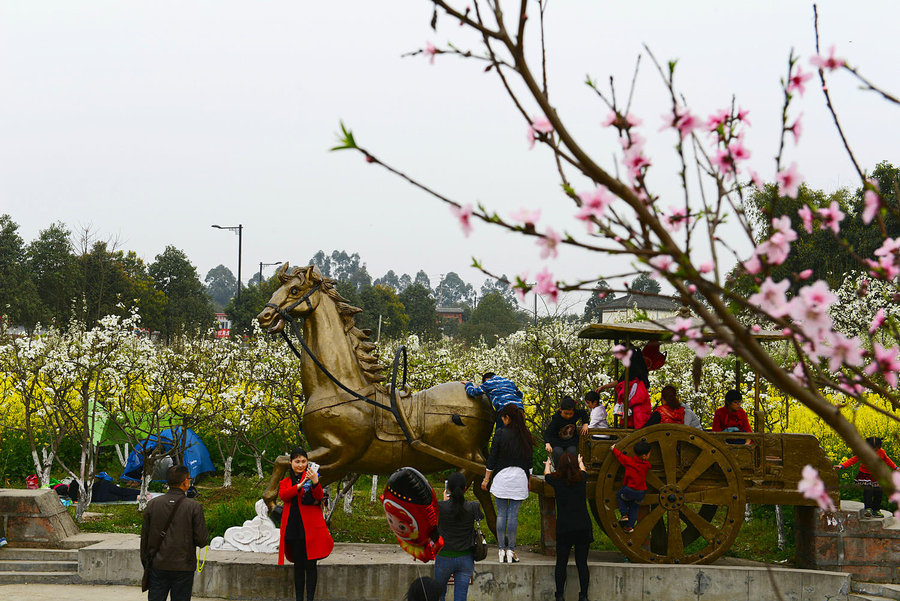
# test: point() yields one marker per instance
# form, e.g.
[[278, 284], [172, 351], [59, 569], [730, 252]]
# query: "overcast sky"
[[150, 121]]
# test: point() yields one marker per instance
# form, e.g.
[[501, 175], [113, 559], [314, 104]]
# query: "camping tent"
[[195, 455]]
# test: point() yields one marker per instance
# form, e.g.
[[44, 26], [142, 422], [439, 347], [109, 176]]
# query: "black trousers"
[[162, 582], [872, 497], [562, 560], [306, 571]]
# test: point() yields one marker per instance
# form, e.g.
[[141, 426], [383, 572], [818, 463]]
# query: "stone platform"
[[383, 573], [845, 541]]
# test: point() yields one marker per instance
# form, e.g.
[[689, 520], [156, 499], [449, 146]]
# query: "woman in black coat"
[[573, 524], [510, 464]]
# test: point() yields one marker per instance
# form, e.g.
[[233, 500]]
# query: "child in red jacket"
[[634, 485], [870, 486]]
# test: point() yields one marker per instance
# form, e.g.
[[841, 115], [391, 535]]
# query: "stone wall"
[[34, 518], [841, 541]]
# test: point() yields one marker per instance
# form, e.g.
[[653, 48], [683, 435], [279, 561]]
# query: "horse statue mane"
[[372, 369]]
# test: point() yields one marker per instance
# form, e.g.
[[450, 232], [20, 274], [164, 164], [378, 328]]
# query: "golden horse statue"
[[350, 421]]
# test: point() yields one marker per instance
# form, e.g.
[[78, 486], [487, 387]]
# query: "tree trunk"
[[42, 465], [226, 483], [122, 455], [84, 498], [348, 499], [259, 470], [351, 480], [779, 524], [748, 513], [143, 496], [374, 494]]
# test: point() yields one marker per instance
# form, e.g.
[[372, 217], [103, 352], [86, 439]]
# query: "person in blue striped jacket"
[[499, 390]]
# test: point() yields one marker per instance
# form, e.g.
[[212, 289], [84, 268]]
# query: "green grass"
[[232, 506]]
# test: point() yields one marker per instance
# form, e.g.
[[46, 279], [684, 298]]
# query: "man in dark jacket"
[[174, 562]]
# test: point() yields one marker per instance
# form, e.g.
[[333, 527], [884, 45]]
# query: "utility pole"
[[239, 230], [261, 265]]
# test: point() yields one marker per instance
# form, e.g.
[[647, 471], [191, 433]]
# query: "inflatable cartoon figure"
[[410, 506]]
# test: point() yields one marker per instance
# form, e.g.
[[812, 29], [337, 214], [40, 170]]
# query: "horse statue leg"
[[270, 495]]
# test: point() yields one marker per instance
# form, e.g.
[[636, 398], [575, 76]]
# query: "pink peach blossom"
[[789, 181], [429, 52], [843, 351], [797, 81], [832, 217], [546, 286], [771, 297], [812, 487], [683, 120], [622, 354], [538, 125], [830, 62], [675, 218], [756, 179], [872, 202], [877, 321], [548, 243], [886, 363], [526, 216], [753, 264], [717, 119], [797, 128], [806, 215], [707, 267], [805, 274], [662, 263], [464, 215], [737, 150]]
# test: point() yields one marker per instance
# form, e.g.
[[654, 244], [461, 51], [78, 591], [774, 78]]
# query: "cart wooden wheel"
[[694, 501]]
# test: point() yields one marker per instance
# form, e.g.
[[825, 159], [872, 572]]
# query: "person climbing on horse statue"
[[501, 392]]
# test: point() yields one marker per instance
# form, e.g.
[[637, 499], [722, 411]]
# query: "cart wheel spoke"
[[654, 481], [676, 545], [702, 463], [668, 450], [645, 525], [707, 530], [650, 500]]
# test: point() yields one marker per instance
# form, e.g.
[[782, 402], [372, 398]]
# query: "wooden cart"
[[700, 482]]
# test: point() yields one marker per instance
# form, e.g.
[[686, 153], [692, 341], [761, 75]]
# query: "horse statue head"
[[296, 297]]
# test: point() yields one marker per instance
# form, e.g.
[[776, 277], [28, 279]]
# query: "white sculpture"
[[258, 535]]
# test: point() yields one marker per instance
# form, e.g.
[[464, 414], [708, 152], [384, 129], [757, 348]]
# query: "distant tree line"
[[59, 276]]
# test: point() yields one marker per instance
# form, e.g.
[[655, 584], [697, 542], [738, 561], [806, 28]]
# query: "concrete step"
[[25, 565], [7, 553], [886, 591], [863, 597], [39, 578]]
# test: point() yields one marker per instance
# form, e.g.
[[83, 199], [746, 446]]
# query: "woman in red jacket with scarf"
[[304, 535]]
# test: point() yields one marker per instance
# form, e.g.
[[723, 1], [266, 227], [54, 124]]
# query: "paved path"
[[75, 592]]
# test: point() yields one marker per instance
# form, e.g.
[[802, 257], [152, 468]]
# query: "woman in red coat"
[[304, 535]]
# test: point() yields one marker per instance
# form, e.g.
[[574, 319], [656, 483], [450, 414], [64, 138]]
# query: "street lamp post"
[[239, 230], [261, 265]]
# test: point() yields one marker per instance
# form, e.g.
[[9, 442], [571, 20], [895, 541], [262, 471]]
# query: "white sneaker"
[[511, 556], [502, 554]]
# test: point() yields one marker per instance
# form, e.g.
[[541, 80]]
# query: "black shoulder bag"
[[151, 551]]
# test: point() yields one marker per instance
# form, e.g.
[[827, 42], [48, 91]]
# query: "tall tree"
[[19, 302], [383, 301], [420, 307], [493, 318], [501, 287], [51, 262], [423, 280], [102, 281], [243, 312], [593, 309], [188, 308], [221, 285], [343, 267], [390, 279], [644, 283], [453, 291]]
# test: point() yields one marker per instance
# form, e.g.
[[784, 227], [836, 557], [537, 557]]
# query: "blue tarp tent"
[[195, 455]]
